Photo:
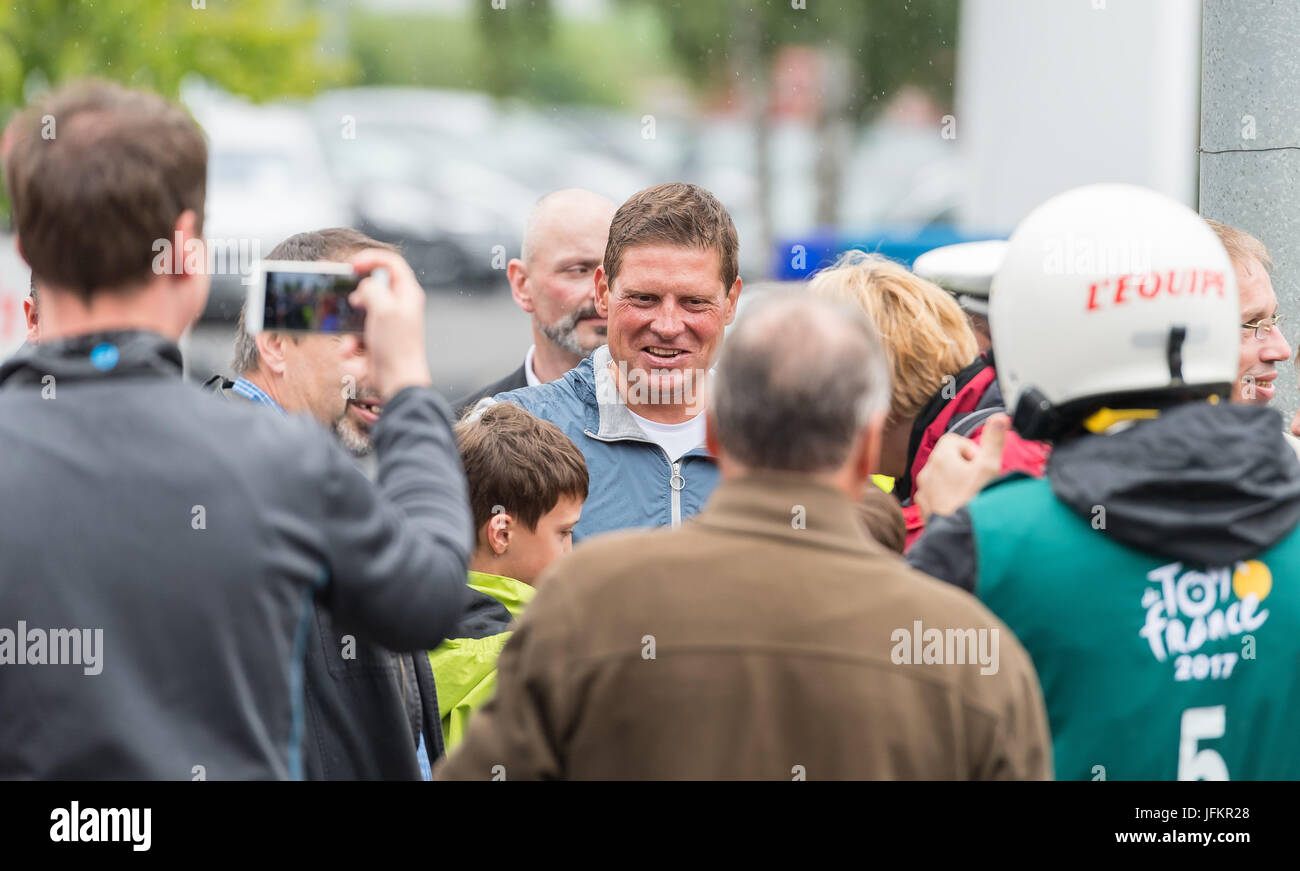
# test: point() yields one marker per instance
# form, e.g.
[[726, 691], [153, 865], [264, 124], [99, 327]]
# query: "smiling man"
[[668, 287], [1262, 344]]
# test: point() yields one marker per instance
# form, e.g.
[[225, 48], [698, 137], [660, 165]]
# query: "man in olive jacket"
[[768, 638]]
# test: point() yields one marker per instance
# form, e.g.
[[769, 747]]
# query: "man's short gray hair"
[[1240, 245], [796, 381]]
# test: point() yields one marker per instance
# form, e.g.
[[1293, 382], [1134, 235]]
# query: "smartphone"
[[308, 297]]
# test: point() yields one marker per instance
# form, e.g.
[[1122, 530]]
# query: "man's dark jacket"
[[1201, 483], [514, 381], [194, 534], [366, 706]]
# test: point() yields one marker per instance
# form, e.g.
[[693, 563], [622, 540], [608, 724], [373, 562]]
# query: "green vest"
[[465, 669], [1151, 669]]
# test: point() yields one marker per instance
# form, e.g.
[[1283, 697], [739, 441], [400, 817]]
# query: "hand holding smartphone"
[[311, 297], [375, 296]]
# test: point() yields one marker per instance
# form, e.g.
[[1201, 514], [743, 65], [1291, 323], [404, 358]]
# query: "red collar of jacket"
[[938, 414]]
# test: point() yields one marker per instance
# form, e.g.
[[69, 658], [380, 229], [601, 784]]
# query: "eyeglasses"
[[1263, 326]]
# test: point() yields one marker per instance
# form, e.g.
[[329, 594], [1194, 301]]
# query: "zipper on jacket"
[[676, 483]]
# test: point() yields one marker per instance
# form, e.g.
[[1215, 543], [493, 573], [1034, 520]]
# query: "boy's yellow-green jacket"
[[465, 665]]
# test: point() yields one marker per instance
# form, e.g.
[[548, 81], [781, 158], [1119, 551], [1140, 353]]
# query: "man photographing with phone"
[[190, 535], [367, 708]]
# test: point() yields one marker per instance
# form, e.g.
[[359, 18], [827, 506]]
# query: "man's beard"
[[353, 438], [564, 332]]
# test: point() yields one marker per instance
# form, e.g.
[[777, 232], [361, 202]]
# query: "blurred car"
[[451, 176], [552, 150], [267, 180], [652, 143], [456, 221], [542, 150], [721, 157], [899, 177], [901, 174]]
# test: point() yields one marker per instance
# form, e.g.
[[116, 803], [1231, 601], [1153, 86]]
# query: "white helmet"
[[1115, 296], [965, 270]]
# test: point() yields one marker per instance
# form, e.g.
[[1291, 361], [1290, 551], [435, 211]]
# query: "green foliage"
[[521, 51], [889, 43], [261, 49], [258, 48], [910, 43], [417, 50], [519, 36]]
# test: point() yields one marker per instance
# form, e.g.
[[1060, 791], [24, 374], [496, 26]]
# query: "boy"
[[527, 483]]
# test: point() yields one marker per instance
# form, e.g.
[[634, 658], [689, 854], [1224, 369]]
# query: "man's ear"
[[191, 253], [498, 532], [517, 275], [32, 315], [189, 270], [733, 298], [271, 348], [602, 292]]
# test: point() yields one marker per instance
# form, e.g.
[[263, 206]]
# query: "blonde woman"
[[941, 382]]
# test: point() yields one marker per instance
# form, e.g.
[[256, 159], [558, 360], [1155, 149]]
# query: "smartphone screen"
[[314, 302]]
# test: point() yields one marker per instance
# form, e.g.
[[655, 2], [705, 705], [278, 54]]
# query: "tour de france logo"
[[1185, 609]]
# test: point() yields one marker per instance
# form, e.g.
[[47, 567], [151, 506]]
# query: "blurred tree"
[[519, 33], [258, 48], [523, 51], [875, 47]]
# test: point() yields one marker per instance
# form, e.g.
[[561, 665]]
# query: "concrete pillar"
[[1250, 143]]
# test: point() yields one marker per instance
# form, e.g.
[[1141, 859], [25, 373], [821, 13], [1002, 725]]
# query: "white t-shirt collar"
[[529, 374], [675, 438]]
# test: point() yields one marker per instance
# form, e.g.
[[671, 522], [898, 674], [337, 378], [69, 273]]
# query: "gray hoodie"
[[188, 567]]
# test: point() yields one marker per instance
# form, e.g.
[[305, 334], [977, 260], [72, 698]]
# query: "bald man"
[[554, 281]]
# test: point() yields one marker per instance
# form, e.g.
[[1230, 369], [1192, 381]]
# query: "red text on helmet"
[[1125, 289]]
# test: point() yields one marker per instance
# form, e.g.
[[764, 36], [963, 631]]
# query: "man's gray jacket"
[[190, 567]]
